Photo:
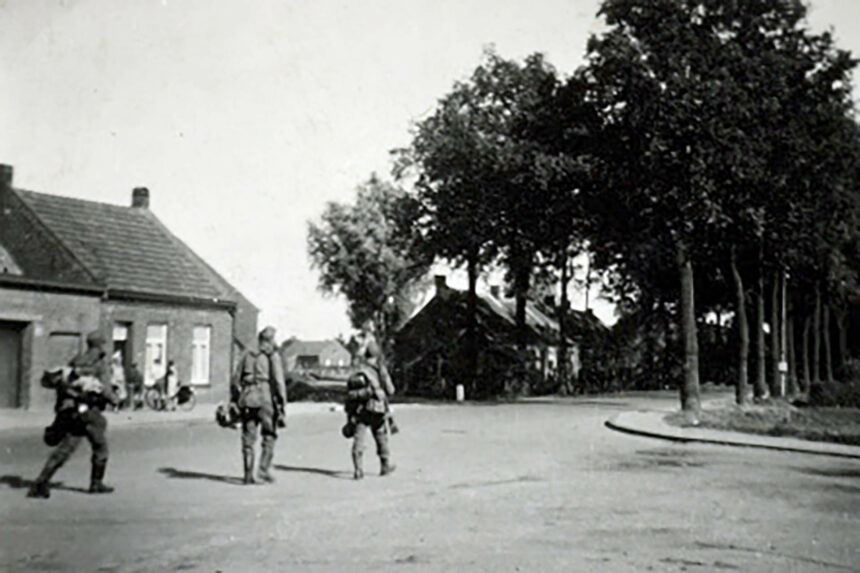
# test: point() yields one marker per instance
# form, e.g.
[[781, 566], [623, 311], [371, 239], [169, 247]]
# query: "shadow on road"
[[17, 482], [185, 474], [330, 473], [842, 472]]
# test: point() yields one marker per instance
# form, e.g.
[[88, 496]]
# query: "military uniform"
[[79, 415], [260, 395], [367, 408]]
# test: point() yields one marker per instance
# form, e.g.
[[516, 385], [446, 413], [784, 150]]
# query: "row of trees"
[[706, 157]]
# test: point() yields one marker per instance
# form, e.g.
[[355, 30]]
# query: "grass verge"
[[779, 418]]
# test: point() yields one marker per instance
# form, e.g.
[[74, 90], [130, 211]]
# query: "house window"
[[200, 345], [156, 353]]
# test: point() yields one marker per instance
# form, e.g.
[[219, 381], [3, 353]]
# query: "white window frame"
[[156, 352], [201, 354]]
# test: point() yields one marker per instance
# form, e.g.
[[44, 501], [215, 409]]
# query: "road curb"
[[660, 430]]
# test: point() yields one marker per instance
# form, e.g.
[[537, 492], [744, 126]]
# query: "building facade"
[[316, 356], [431, 349], [69, 267]]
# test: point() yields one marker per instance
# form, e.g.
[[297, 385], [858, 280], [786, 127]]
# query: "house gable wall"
[[31, 245]]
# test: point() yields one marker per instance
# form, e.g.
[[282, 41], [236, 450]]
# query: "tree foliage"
[[365, 252]]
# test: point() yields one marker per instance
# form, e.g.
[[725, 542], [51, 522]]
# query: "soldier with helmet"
[[367, 409], [81, 399], [260, 395]]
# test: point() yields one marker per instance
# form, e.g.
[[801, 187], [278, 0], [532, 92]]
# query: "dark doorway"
[[10, 364]]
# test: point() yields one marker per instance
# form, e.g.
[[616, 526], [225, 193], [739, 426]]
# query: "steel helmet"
[[348, 430], [227, 415]]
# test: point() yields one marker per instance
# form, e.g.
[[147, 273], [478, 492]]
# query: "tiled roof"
[[126, 248], [310, 347]]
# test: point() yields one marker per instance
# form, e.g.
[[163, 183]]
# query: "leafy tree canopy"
[[366, 252]]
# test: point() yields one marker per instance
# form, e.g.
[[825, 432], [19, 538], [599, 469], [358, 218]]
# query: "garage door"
[[10, 365]]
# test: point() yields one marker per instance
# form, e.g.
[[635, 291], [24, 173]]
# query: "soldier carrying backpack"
[[367, 408], [260, 395]]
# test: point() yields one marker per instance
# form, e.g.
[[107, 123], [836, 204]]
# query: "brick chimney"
[[140, 197], [441, 284], [6, 174]]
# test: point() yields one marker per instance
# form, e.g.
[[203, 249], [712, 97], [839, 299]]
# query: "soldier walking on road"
[[261, 396], [367, 409], [80, 402]]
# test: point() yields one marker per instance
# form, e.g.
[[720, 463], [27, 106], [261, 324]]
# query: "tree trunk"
[[775, 390], [804, 349], [522, 267], [760, 388], [816, 336], [690, 401], [792, 357], [587, 280], [783, 333], [842, 339], [472, 324], [825, 331], [742, 387], [564, 383], [522, 331]]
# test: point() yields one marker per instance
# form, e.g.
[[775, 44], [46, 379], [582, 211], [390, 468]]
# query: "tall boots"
[[248, 463], [40, 487], [96, 477], [266, 461], [386, 467], [357, 464]]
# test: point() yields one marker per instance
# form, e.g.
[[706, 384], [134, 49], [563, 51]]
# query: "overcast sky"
[[244, 118]]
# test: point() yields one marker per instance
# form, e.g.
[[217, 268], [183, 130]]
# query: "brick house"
[[70, 266]]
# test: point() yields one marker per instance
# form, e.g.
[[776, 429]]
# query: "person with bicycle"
[[168, 393], [170, 386]]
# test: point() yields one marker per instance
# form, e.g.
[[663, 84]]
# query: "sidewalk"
[[650, 424], [13, 420]]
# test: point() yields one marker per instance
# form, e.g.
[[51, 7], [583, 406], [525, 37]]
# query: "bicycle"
[[185, 399]]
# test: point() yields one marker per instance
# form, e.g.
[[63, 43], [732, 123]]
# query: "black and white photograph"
[[475, 285]]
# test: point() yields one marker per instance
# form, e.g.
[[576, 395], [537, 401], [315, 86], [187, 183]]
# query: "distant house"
[[430, 350], [315, 356], [69, 266]]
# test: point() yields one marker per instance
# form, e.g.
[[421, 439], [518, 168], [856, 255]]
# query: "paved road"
[[523, 487]]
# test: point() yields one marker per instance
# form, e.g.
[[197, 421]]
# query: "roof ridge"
[[126, 249], [80, 200]]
